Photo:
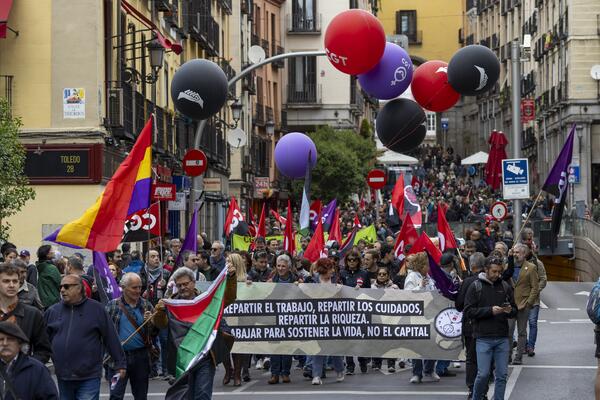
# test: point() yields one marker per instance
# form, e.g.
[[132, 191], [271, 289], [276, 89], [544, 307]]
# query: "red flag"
[[445, 234], [335, 233], [289, 243], [361, 204], [251, 223], [408, 235], [316, 247], [234, 217], [356, 222], [425, 244], [398, 196], [142, 225], [411, 206], [261, 231], [282, 221], [315, 212]]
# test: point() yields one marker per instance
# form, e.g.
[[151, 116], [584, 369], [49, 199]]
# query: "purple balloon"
[[291, 154], [391, 76]]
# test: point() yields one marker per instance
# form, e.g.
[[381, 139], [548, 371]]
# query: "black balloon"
[[473, 70], [199, 89], [400, 125]]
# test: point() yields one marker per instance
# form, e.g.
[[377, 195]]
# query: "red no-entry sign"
[[376, 179], [194, 163]]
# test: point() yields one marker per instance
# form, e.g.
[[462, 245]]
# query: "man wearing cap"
[[28, 293], [21, 377], [29, 319], [80, 330], [32, 274]]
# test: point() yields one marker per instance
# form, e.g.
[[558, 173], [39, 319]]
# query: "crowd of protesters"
[[56, 304]]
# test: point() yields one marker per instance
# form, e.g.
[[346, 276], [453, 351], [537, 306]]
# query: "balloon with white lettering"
[[430, 87], [391, 76], [401, 125], [292, 154], [354, 41], [473, 70], [199, 89]]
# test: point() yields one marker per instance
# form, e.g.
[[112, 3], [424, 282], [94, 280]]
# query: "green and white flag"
[[204, 312]]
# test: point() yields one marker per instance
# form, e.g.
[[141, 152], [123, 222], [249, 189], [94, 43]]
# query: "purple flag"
[[443, 282], [191, 242], [558, 182], [327, 214], [108, 288]]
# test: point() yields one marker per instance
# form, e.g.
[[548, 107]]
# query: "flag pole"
[[526, 219], [124, 342]]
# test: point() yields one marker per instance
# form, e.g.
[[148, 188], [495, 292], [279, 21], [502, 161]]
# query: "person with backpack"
[[489, 304], [593, 311]]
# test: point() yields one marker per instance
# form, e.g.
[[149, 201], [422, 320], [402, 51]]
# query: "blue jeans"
[[163, 335], [488, 350], [138, 372], [201, 380], [417, 367], [534, 312], [319, 362], [281, 365], [442, 366], [88, 389]]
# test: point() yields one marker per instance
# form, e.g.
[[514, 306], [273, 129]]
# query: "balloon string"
[[408, 134]]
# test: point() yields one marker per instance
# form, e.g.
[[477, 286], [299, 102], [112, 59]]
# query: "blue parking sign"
[[515, 178]]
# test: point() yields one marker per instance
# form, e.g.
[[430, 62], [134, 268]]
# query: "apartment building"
[[85, 82], [316, 93], [556, 75]]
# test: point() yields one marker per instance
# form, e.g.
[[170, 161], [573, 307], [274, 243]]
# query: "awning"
[[477, 158], [166, 43], [393, 158], [5, 6]]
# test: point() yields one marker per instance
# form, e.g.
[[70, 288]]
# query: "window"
[[431, 122], [304, 16], [406, 24], [302, 79]]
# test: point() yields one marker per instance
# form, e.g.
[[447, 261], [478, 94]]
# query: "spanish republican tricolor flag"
[[100, 228]]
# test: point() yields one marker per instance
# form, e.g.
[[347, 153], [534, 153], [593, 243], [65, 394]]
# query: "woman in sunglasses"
[[383, 281]]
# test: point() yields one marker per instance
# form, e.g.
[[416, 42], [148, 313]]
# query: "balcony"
[[6, 89], [249, 81], [357, 100], [259, 115], [230, 73], [205, 30], [254, 39], [470, 4], [264, 43], [304, 24], [275, 51], [495, 41], [283, 125], [213, 144], [226, 6], [269, 115], [470, 39], [162, 5], [305, 93]]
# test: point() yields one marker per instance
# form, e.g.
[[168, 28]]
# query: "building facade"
[[94, 75], [429, 30], [555, 74]]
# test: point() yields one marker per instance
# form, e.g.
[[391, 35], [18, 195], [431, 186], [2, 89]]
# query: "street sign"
[[515, 178], [179, 204], [163, 191], [376, 179], [195, 163], [445, 123], [575, 174], [499, 210], [212, 184]]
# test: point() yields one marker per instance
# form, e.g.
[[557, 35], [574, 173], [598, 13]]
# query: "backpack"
[[593, 304], [479, 288]]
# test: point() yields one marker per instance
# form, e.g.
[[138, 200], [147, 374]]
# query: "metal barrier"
[[587, 228]]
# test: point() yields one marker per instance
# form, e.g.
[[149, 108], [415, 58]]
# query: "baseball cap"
[[24, 253]]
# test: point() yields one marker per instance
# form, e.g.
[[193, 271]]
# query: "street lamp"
[[579, 129], [270, 127], [236, 114], [157, 55]]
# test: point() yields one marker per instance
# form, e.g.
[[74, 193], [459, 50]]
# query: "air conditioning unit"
[[115, 108]]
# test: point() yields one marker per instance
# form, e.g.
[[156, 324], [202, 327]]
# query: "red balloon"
[[354, 41], [430, 87]]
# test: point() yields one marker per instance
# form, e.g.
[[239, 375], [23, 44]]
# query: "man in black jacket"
[[29, 318], [489, 303], [476, 261], [22, 377]]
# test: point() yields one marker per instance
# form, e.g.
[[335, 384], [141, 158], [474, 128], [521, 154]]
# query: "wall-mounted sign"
[[179, 204], [59, 164], [212, 184], [163, 191], [527, 110], [74, 103]]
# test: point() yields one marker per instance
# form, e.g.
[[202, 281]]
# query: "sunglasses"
[[68, 286]]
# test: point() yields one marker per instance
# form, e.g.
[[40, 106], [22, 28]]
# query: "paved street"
[[563, 368]]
